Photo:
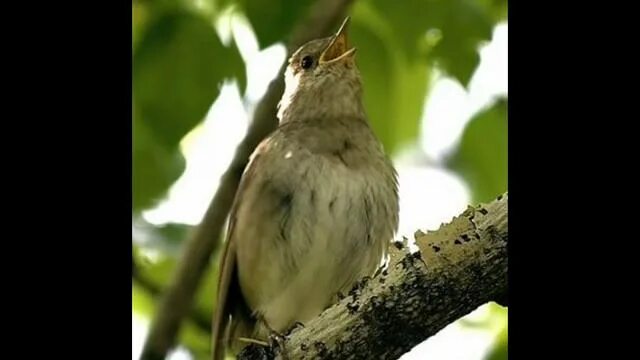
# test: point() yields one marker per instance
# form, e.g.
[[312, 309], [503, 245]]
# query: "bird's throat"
[[327, 98]]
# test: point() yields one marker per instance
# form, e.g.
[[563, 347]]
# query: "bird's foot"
[[276, 341]]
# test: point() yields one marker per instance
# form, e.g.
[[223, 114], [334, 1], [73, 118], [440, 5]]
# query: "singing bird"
[[316, 206]]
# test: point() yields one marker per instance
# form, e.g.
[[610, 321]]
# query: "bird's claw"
[[276, 342]]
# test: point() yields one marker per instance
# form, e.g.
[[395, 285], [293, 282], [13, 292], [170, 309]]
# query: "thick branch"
[[205, 241], [459, 267]]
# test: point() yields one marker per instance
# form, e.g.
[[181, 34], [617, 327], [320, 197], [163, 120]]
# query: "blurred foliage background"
[[182, 55]]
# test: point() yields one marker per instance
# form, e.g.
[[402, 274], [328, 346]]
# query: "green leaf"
[[167, 238], [139, 18], [461, 24], [375, 65], [395, 84], [152, 280], [177, 69], [464, 26], [408, 21], [237, 68], [196, 340], [143, 303], [157, 272], [207, 292], [498, 9], [500, 349], [196, 337], [174, 233], [481, 157], [412, 80], [273, 20], [155, 167]]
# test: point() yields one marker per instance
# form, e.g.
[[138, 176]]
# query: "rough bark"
[[176, 303], [459, 267]]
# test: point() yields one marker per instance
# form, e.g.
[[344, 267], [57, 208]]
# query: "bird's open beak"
[[338, 48]]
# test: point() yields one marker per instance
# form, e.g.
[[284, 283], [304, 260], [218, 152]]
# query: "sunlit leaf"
[[143, 302], [481, 157], [500, 348], [139, 18], [494, 318]]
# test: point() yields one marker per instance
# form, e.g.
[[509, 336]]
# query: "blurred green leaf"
[[273, 20], [173, 233], [155, 167], [497, 8], [139, 18], [158, 271], [207, 292], [462, 25], [166, 238], [194, 337], [412, 80], [236, 67], [500, 349], [177, 69], [395, 85], [160, 240], [409, 22], [142, 302], [495, 318], [152, 279], [196, 340], [481, 157], [375, 65], [178, 66]]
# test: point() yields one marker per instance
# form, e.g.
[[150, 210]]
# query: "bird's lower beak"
[[338, 48]]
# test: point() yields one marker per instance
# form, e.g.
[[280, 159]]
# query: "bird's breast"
[[314, 226]]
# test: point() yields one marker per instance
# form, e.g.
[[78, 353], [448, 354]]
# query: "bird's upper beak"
[[338, 48]]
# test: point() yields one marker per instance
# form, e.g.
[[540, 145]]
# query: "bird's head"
[[321, 79]]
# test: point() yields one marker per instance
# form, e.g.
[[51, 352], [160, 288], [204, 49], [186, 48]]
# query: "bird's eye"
[[307, 62]]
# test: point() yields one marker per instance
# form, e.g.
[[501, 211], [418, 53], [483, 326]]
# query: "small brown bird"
[[316, 206]]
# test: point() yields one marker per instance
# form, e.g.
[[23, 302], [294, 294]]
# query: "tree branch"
[[205, 240], [459, 267]]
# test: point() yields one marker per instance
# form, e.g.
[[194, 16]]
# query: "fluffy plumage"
[[316, 206]]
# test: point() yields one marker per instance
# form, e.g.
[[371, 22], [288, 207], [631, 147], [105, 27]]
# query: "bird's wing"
[[229, 294]]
